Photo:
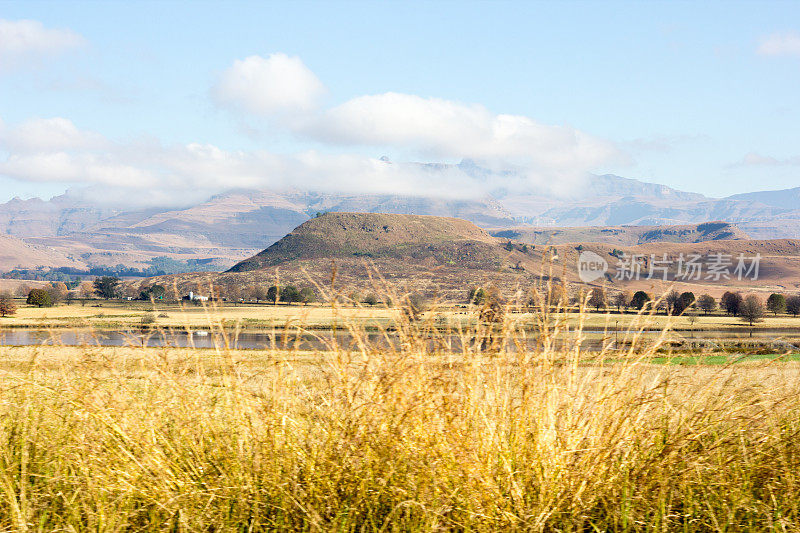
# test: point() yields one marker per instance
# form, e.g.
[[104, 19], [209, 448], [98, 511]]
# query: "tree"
[[673, 302], [731, 302], [307, 295], [257, 293], [793, 305], [273, 294], [685, 301], [476, 296], [86, 291], [413, 306], [557, 293], [39, 298], [7, 305], [752, 309], [597, 299], [493, 310], [776, 303], [621, 299], [128, 291], [290, 294], [707, 303], [107, 286], [354, 297], [640, 299], [58, 291], [371, 299], [628, 298], [154, 292], [22, 291]]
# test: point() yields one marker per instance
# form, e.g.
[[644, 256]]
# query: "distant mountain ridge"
[[233, 225], [784, 199]]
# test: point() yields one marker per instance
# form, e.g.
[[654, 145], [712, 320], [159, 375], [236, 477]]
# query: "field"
[[122, 315], [119, 314], [491, 436]]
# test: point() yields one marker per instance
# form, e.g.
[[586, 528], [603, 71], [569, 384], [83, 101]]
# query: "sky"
[[171, 101]]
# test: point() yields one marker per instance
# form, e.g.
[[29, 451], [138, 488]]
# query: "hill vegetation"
[[379, 235]]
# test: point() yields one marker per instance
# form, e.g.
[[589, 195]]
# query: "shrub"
[[413, 306], [640, 298], [476, 296]]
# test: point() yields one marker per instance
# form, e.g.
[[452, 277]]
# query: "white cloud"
[[753, 159], [554, 156], [442, 128], [780, 44], [266, 86], [50, 134], [54, 150], [20, 39], [71, 168]]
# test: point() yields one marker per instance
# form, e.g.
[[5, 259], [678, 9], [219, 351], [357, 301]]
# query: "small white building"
[[192, 297]]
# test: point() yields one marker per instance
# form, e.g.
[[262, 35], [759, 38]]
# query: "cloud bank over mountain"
[[280, 92]]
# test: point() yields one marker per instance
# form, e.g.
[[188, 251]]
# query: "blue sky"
[[698, 96]]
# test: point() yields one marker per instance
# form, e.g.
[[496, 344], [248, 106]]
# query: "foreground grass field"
[[417, 437]]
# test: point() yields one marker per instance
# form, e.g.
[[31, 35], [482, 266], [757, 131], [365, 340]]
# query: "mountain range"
[[70, 231]]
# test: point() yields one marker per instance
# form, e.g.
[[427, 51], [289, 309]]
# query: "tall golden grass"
[[428, 430]]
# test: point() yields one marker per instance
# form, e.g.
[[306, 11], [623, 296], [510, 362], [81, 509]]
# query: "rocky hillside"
[[375, 235]]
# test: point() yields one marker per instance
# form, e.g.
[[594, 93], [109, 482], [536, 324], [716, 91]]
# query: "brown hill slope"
[[15, 253], [378, 235], [625, 235]]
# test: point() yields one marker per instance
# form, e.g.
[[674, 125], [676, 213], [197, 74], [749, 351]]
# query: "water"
[[594, 339], [175, 339]]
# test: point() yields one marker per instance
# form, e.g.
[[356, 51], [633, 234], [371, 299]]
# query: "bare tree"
[[598, 298], [752, 309], [7, 305], [22, 291], [85, 291], [58, 291], [621, 300]]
